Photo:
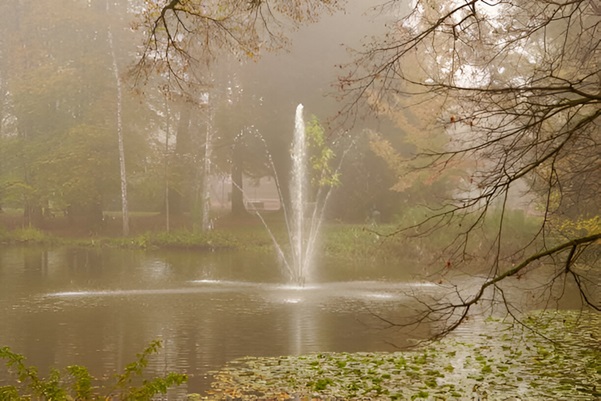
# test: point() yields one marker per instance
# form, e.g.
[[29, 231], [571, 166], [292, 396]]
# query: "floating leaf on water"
[[529, 367]]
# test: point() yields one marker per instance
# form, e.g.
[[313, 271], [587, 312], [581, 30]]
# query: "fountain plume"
[[305, 216], [298, 194]]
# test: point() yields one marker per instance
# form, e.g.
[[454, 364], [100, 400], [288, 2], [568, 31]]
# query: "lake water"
[[99, 307]]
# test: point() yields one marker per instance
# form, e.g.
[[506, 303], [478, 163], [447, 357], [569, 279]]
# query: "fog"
[[243, 180], [61, 109]]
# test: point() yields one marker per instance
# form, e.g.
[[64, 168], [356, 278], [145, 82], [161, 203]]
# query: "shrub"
[[76, 383]]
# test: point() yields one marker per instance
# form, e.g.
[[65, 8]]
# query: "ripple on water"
[[334, 296]]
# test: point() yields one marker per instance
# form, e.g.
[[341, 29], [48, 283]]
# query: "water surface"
[[99, 307]]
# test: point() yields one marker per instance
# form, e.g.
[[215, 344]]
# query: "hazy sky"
[[305, 72]]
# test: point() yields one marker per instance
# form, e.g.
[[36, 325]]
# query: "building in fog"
[[259, 194]]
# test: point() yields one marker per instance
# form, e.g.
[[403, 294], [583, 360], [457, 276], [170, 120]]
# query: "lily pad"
[[557, 355]]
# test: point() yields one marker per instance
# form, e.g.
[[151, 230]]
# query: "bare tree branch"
[[521, 83]]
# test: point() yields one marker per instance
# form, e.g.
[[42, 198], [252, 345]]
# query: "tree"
[[187, 38], [236, 109], [518, 83], [36, 114], [81, 170], [119, 124], [59, 86], [182, 34]]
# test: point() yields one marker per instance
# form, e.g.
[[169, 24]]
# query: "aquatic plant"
[[549, 355]]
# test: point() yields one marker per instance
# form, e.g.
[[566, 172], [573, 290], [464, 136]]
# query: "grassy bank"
[[251, 233], [339, 241]]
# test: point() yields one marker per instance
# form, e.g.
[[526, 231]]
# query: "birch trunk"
[[124, 206], [205, 194], [166, 166]]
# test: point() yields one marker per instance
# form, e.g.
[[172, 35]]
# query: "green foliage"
[[322, 155], [419, 395], [428, 230], [148, 388], [81, 166], [580, 227], [183, 239], [30, 235], [14, 190], [82, 385], [321, 384], [76, 383], [354, 242], [60, 148]]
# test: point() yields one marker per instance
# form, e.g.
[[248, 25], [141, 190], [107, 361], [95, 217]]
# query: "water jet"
[[305, 214]]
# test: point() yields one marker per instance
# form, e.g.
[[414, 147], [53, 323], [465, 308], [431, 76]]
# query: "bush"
[[76, 383], [185, 239], [29, 235]]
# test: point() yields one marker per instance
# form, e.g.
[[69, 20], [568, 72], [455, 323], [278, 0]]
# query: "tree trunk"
[[32, 215], [238, 208], [181, 164], [124, 205], [203, 197], [166, 166]]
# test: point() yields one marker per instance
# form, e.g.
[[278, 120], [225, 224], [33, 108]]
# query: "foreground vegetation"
[[548, 355], [76, 383], [553, 356]]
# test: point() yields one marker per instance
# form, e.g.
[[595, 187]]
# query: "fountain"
[[304, 219], [301, 241]]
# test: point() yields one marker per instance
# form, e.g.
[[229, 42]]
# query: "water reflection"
[[99, 307]]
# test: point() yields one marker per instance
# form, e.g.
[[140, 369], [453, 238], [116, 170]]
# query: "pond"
[[99, 307]]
